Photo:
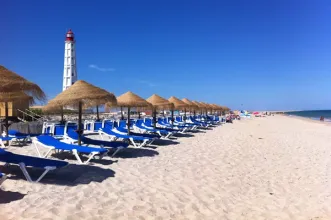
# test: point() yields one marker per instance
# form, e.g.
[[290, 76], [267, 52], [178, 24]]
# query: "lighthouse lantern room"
[[70, 70]]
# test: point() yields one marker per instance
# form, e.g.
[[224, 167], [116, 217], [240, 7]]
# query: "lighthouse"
[[70, 69]]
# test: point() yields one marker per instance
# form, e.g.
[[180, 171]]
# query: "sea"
[[315, 114]]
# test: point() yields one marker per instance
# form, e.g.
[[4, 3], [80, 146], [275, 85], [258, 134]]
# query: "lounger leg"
[[168, 135], [2, 144], [27, 175], [117, 150], [133, 143], [35, 145], [3, 178], [74, 151], [48, 152], [101, 135], [25, 172], [47, 169], [146, 142], [152, 141], [91, 156]]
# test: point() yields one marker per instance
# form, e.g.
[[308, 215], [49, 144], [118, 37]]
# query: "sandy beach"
[[277, 167]]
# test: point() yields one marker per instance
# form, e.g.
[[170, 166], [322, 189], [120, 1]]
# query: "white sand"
[[264, 168]]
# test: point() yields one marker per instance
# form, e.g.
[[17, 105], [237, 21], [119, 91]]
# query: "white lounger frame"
[[73, 141], [2, 179], [142, 131], [114, 138], [175, 128], [27, 175], [74, 152], [2, 143]]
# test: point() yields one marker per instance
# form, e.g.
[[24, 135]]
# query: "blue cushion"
[[51, 141], [136, 138], [86, 140], [9, 157]]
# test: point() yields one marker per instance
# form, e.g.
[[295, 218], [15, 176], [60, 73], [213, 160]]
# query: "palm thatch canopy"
[[216, 107], [199, 105], [191, 104], [158, 102], [130, 99], [177, 103], [204, 105], [210, 106], [224, 108], [15, 96], [12, 82], [85, 93], [52, 108], [79, 94]]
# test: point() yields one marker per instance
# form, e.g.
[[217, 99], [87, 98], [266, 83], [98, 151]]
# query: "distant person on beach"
[[322, 118]]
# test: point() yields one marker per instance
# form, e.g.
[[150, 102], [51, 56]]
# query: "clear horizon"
[[266, 55]]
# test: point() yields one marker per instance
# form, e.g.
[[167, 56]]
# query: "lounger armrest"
[[50, 168]]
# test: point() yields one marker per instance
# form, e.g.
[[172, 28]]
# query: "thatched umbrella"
[[6, 97], [210, 107], [201, 107], [215, 108], [52, 108], [79, 94], [177, 105], [14, 88], [192, 105], [130, 100], [158, 102], [205, 106], [12, 82]]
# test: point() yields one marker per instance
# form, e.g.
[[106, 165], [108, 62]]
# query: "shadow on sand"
[[71, 175], [69, 156], [197, 131], [136, 152], [8, 196], [165, 142], [186, 135]]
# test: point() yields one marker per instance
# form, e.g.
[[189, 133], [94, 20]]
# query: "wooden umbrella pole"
[[62, 117], [98, 119], [128, 124], [122, 116], [80, 106], [139, 116], [194, 113], [172, 117], [184, 114], [6, 121], [154, 118]]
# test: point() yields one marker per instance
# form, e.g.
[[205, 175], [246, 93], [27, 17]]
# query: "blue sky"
[[256, 54]]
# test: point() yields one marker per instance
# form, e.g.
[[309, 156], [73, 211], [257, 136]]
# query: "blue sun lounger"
[[136, 141], [121, 128], [2, 178], [140, 126], [168, 127], [72, 136], [54, 144], [124, 131], [20, 138], [3, 139], [28, 161]]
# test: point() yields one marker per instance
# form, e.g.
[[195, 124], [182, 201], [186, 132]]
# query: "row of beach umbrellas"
[[82, 95]]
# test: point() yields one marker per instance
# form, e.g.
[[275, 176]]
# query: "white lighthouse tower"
[[69, 70]]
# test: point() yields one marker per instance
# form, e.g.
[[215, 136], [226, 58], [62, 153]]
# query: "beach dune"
[[276, 167]]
